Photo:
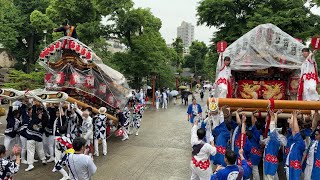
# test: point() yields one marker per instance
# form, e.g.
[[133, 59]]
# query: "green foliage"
[[196, 59], [178, 48], [22, 81], [137, 28], [10, 21], [234, 18]]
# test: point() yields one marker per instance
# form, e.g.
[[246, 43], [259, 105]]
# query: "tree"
[[178, 48], [234, 18], [148, 53], [198, 51]]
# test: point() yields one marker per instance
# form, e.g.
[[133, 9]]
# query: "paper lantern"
[[52, 49], [89, 56], [78, 48], [58, 45], [64, 44], [48, 78], [72, 45], [89, 81], [75, 78], [110, 99], [46, 52], [221, 46], [102, 88], [42, 55], [315, 43], [60, 78], [83, 52]]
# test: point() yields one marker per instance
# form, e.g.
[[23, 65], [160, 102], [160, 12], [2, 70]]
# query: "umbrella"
[[207, 86], [174, 93], [183, 87], [146, 87]]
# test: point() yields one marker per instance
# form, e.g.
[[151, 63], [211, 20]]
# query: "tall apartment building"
[[186, 33]]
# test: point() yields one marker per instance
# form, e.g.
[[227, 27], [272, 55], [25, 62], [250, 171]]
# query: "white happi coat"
[[223, 80], [308, 80]]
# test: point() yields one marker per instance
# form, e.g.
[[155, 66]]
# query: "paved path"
[[161, 151]]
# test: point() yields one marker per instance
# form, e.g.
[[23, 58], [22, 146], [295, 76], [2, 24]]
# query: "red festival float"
[[265, 63], [265, 70], [75, 73]]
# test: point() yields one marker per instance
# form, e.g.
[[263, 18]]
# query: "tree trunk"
[[30, 52]]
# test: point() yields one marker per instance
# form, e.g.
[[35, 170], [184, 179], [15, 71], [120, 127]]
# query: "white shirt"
[[206, 150], [81, 167], [310, 159]]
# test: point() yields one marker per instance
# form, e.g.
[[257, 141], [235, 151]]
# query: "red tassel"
[[229, 95], [300, 89], [242, 140]]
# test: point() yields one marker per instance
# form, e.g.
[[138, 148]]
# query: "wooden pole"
[[153, 89], [72, 100], [278, 104], [265, 109], [265, 114]]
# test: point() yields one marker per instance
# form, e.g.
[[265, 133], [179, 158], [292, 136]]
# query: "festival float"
[[75, 73], [265, 67]]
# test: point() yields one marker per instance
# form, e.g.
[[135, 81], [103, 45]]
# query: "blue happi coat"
[[236, 143], [232, 171], [270, 163], [316, 165], [194, 111], [287, 147], [255, 151], [295, 157], [222, 135]]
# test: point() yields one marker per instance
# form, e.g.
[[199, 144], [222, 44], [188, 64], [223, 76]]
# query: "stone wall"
[[5, 60]]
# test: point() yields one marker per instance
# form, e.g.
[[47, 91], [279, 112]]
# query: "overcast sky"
[[173, 12]]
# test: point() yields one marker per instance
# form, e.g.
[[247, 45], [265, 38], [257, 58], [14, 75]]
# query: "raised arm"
[[237, 116], [295, 126], [315, 119], [243, 127]]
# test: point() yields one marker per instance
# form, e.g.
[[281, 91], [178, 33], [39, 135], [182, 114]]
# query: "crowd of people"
[[249, 147], [60, 133]]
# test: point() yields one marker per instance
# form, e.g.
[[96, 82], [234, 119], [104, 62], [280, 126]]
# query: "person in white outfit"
[[158, 97], [164, 100], [201, 151], [309, 78], [100, 131], [223, 81], [87, 128]]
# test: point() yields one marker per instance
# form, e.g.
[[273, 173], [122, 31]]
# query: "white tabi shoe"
[[124, 138], [23, 161], [30, 167], [50, 160]]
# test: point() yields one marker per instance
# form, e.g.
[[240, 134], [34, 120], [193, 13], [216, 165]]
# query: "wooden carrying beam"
[[72, 100], [278, 104], [265, 114], [265, 109]]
